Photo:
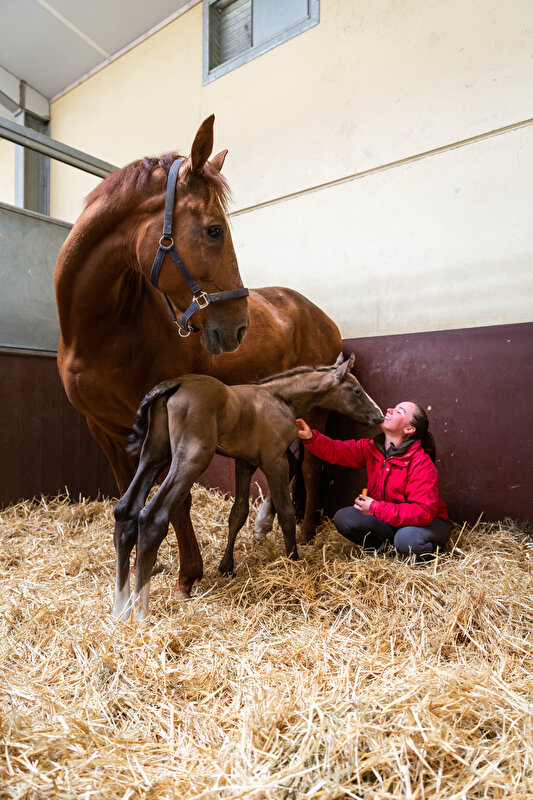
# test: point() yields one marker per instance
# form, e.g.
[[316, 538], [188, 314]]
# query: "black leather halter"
[[166, 245]]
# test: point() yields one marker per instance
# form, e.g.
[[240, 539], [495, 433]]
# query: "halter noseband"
[[166, 245]]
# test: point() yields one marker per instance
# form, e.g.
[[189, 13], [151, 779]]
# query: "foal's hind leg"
[[190, 458], [239, 511], [155, 456]]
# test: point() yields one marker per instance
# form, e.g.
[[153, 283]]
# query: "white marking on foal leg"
[[141, 601], [122, 607], [264, 520]]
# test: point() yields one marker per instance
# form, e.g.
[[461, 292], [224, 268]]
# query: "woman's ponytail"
[[420, 423]]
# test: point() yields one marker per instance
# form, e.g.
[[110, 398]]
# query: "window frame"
[[210, 75]]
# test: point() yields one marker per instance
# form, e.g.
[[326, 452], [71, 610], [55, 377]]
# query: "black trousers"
[[371, 532]]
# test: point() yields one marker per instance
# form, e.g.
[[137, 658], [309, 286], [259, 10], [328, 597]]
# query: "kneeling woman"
[[403, 503]]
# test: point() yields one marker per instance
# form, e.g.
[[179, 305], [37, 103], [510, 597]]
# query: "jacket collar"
[[407, 448]]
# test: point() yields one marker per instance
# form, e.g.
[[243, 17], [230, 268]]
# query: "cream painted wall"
[[7, 164], [437, 243], [7, 172], [373, 83]]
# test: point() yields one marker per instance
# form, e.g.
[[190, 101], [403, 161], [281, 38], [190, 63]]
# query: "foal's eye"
[[356, 390], [214, 232]]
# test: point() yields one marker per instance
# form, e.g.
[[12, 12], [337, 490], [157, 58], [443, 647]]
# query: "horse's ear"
[[218, 161], [342, 371], [340, 360], [203, 144]]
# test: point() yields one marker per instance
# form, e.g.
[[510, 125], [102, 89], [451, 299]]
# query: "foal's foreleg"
[[312, 476], [239, 511], [278, 481], [264, 520]]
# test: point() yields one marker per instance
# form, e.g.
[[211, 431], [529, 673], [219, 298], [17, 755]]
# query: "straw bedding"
[[343, 675]]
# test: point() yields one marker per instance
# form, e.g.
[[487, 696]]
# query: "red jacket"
[[404, 488]]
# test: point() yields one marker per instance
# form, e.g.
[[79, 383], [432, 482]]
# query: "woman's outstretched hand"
[[304, 431]]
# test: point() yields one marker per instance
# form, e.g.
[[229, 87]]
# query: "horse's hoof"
[[260, 536], [181, 592], [304, 538]]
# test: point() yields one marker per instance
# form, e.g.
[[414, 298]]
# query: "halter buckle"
[[201, 300], [184, 332]]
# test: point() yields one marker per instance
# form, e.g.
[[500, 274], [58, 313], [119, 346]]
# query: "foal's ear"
[[218, 161], [202, 145], [342, 371]]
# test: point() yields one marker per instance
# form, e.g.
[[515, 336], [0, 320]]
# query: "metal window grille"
[[230, 30], [235, 31]]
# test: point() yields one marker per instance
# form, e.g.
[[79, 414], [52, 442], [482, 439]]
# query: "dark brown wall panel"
[[45, 443], [478, 382]]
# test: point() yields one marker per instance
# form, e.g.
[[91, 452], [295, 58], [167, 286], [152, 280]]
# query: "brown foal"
[[181, 423]]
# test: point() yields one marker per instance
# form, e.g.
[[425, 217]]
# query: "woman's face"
[[398, 420]]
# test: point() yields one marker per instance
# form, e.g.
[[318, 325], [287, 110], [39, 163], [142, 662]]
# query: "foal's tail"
[[140, 425]]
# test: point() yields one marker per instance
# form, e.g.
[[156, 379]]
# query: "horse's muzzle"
[[223, 338]]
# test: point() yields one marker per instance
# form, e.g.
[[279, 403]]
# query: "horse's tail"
[[140, 424]]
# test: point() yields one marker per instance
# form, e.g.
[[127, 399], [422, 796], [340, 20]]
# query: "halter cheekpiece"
[[166, 245]]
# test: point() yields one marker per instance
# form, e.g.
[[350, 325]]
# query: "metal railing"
[[47, 146]]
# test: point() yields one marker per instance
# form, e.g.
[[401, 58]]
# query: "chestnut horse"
[[118, 338], [182, 423]]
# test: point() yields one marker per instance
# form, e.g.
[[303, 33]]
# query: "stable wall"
[[349, 105], [380, 164]]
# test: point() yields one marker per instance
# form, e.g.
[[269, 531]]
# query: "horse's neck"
[[300, 393], [91, 270]]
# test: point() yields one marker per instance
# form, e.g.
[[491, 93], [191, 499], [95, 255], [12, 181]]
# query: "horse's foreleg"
[[239, 511], [122, 464], [312, 472], [191, 564], [278, 481], [264, 520]]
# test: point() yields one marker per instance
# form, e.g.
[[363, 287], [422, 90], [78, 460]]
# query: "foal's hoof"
[[305, 537], [227, 573]]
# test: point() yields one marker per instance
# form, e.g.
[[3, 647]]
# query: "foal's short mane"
[[135, 177], [291, 373]]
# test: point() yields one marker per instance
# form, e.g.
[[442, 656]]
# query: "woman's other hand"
[[304, 431], [362, 504]]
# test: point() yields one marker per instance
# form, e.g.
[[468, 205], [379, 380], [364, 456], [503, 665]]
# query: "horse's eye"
[[356, 390], [214, 232]]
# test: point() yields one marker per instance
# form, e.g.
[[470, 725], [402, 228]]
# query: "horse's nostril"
[[241, 332]]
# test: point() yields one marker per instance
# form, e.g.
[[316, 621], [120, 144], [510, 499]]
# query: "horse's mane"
[[291, 373], [135, 177]]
